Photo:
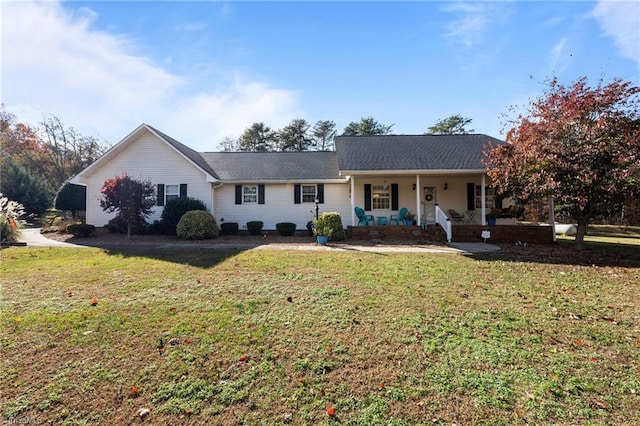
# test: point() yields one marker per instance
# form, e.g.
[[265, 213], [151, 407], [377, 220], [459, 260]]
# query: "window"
[[171, 192], [380, 197], [489, 197], [308, 193], [249, 194]]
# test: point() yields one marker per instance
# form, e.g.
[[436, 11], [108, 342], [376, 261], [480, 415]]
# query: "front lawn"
[[529, 335]]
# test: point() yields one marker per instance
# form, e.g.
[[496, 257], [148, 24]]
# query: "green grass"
[[528, 335]]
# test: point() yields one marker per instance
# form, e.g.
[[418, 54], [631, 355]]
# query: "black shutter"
[[160, 195], [297, 194], [183, 190], [471, 196], [238, 194], [367, 196], [394, 196], [320, 193], [260, 194]]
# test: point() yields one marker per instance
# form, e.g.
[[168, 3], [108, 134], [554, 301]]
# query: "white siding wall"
[[147, 158], [279, 206]]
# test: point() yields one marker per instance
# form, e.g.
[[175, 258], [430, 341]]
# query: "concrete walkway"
[[33, 238]]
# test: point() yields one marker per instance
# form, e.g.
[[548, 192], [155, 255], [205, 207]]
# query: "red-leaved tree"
[[131, 199], [577, 144]]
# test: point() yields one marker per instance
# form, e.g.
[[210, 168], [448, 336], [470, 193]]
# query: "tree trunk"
[[581, 232]]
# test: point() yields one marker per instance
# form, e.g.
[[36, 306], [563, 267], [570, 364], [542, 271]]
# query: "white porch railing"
[[443, 220]]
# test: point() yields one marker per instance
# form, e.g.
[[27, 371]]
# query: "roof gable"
[[189, 154], [412, 153]]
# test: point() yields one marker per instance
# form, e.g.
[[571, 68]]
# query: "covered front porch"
[[448, 199]]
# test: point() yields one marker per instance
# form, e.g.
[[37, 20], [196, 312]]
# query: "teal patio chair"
[[363, 218], [399, 219]]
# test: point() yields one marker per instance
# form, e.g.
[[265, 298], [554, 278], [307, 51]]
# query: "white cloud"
[[474, 20], [53, 62], [621, 21], [559, 57]]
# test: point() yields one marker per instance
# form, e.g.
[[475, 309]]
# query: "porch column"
[[552, 219], [352, 195], [418, 198], [483, 203]]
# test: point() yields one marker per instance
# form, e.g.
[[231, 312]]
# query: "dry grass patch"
[[266, 337]]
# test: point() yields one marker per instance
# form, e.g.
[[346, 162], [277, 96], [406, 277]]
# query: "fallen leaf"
[[69, 293], [94, 301], [244, 358], [331, 412]]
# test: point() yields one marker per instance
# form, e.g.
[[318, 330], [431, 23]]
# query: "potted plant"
[[491, 218], [328, 227], [322, 231], [408, 218]]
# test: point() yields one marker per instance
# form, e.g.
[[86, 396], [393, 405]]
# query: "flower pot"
[[491, 220], [322, 240], [408, 222]]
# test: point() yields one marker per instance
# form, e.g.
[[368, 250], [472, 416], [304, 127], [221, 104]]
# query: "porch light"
[[317, 208], [414, 186], [446, 186]]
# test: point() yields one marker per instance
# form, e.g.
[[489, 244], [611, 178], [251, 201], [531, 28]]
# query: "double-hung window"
[[171, 192], [380, 197], [249, 194], [309, 193]]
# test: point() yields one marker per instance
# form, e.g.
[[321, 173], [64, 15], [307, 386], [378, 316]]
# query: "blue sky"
[[201, 71]]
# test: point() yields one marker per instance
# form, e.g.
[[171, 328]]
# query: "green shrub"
[[80, 230], [7, 233], [197, 225], [255, 227], [175, 208], [286, 229], [229, 228], [329, 224]]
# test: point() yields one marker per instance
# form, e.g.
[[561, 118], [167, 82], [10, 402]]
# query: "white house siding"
[[146, 158], [279, 205]]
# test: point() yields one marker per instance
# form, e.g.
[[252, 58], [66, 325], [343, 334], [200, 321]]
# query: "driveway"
[[33, 238]]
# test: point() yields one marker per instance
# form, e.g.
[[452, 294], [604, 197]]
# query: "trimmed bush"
[[81, 230], [229, 228], [255, 227], [197, 225], [174, 210], [286, 229], [330, 224]]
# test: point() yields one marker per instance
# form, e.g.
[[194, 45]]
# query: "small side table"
[[382, 220]]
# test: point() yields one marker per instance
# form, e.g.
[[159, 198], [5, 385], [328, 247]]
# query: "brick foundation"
[[531, 234]]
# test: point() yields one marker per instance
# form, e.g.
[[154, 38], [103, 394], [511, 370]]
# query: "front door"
[[429, 200]]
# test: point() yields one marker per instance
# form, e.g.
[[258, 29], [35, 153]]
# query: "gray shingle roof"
[[416, 152], [273, 166]]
